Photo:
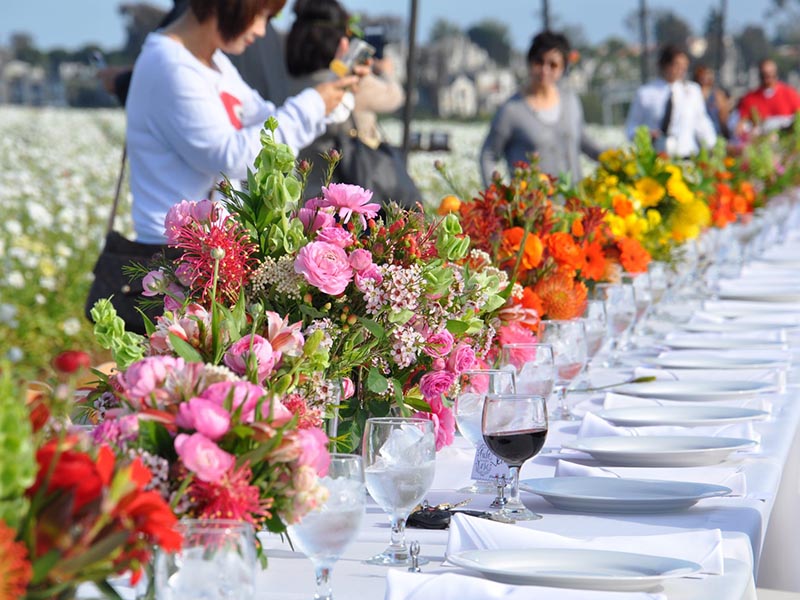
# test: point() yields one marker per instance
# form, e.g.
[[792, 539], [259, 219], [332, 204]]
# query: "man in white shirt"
[[672, 109]]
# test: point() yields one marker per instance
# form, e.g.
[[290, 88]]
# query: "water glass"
[[324, 533], [216, 562], [620, 305], [568, 339], [596, 325], [399, 463]]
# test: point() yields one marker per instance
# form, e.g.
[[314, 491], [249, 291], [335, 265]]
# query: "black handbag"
[[110, 281], [380, 169]]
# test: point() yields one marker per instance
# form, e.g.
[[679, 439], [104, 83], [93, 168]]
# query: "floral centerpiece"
[[70, 511]]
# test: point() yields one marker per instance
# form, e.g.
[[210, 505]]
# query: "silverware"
[[413, 551]]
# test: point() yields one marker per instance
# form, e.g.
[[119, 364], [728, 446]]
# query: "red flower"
[[230, 498], [74, 472]]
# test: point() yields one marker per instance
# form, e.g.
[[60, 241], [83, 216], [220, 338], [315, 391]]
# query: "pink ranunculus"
[[146, 377], [314, 219], [370, 273], [350, 199], [314, 450], [434, 385], [336, 235], [324, 266], [444, 425], [242, 393], [348, 389], [154, 283], [438, 364], [284, 338], [461, 359], [439, 344], [238, 356], [204, 416], [203, 457], [361, 259]]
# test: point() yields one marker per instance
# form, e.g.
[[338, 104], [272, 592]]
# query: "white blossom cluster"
[[278, 274]]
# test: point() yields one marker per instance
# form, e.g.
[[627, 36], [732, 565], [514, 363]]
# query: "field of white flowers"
[[58, 169]]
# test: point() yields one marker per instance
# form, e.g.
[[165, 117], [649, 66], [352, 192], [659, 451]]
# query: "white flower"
[[39, 299], [14, 227], [14, 354], [7, 313], [71, 326], [48, 283], [16, 280]]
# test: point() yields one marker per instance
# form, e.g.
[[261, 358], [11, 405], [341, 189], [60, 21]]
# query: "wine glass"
[[596, 324], [642, 295], [514, 429], [568, 339], [468, 409], [621, 313], [659, 279], [399, 463], [217, 560], [324, 533]]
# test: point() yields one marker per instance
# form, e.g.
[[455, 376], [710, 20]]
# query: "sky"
[[74, 23]]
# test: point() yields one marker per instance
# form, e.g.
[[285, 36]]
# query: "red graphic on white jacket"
[[233, 106]]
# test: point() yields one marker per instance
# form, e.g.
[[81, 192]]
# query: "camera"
[[358, 53], [375, 35]]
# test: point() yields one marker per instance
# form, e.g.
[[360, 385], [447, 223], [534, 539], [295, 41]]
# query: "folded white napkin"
[[703, 546], [401, 585], [614, 400], [775, 377], [751, 306], [732, 478], [775, 336], [593, 426]]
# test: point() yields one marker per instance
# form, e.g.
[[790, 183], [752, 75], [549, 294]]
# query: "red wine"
[[515, 447]]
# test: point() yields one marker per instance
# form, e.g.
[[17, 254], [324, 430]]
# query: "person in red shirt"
[[772, 99]]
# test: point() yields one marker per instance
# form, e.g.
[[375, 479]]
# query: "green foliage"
[[109, 329], [18, 468]]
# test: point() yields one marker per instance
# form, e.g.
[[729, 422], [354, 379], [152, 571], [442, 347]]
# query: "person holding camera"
[[191, 117], [546, 118]]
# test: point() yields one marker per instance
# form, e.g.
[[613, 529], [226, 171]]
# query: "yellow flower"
[[629, 169], [632, 225], [653, 218], [689, 220], [677, 187], [649, 191]]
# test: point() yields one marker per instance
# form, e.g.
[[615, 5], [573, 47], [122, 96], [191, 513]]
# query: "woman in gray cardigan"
[[545, 118]]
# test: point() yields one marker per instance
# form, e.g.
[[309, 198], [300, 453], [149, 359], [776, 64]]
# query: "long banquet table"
[[760, 529]]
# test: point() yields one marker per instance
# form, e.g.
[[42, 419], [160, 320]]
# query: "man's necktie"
[[667, 114]]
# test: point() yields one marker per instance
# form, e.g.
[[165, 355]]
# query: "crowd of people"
[[215, 70]]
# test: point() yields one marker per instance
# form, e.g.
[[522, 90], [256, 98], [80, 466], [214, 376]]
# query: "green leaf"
[[43, 565], [98, 551], [311, 312], [376, 382], [457, 327], [401, 318], [184, 349], [373, 327], [108, 590]]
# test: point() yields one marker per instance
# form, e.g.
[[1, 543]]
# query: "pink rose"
[[242, 393], [203, 457], [238, 356], [461, 359], [335, 235], [439, 344], [314, 450], [371, 273], [348, 200], [360, 259], [284, 338], [324, 266], [348, 389], [438, 364], [444, 425], [434, 385], [207, 417]]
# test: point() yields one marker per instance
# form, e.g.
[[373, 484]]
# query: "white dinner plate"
[[711, 342], [575, 568], [621, 496], [659, 450], [690, 415], [695, 390], [683, 359], [763, 295]]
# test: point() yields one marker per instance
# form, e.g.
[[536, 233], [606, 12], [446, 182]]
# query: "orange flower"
[[565, 251], [622, 206], [633, 256], [595, 262], [531, 300], [509, 249], [448, 204], [15, 569], [562, 297], [577, 228]]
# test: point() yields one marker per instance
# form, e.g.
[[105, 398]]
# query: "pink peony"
[[242, 393], [284, 338], [439, 344], [314, 450], [238, 356], [434, 385], [324, 266], [203, 457], [461, 359], [444, 425], [349, 199], [360, 260], [204, 416], [336, 235]]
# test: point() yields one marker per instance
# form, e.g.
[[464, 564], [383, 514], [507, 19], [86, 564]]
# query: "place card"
[[487, 466]]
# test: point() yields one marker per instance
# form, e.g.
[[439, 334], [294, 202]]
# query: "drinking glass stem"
[[513, 497], [563, 409], [398, 538], [324, 591]]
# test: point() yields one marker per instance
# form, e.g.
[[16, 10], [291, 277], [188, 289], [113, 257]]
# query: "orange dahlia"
[[15, 569], [509, 249], [595, 262], [562, 297], [633, 256], [565, 251]]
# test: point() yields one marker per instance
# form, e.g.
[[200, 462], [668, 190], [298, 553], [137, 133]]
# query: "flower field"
[[58, 169]]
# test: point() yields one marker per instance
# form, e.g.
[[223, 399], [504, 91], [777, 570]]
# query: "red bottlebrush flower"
[[226, 241], [230, 498], [15, 569], [562, 297], [306, 417]]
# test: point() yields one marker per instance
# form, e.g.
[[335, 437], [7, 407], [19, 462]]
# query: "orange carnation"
[[562, 297], [565, 251], [633, 256], [595, 262], [622, 206], [509, 249]]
